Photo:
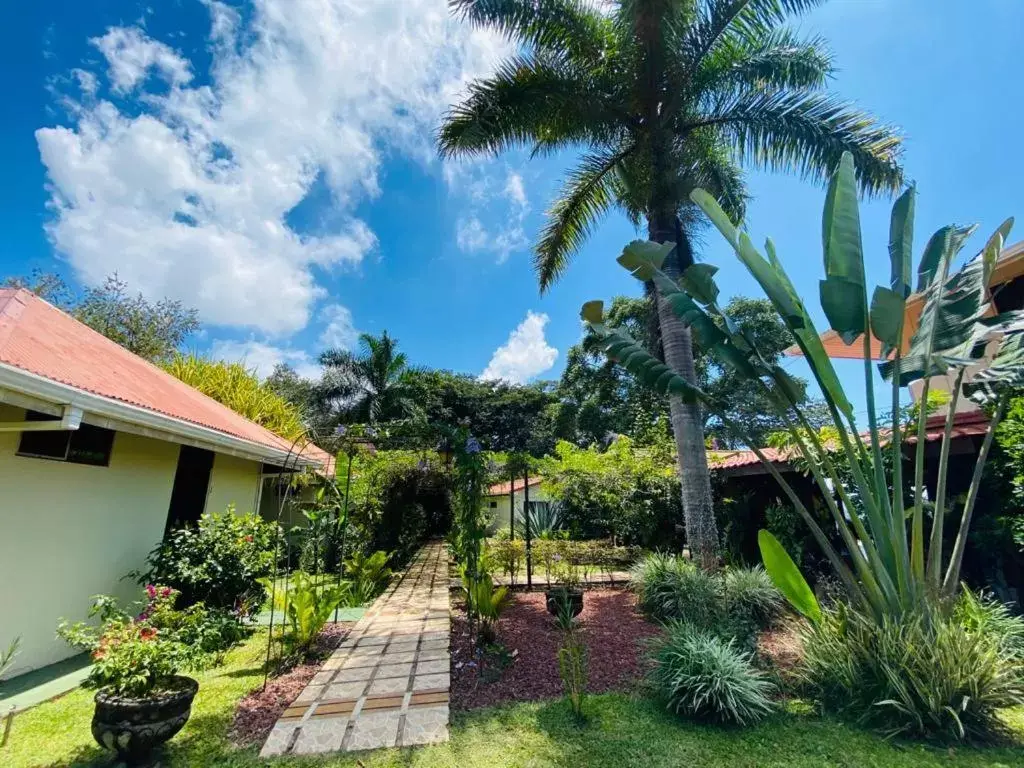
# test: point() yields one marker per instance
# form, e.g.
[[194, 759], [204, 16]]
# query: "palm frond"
[[778, 59], [561, 27], [717, 18], [807, 132], [529, 100], [587, 194]]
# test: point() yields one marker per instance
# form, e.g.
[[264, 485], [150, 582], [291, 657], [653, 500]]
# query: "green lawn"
[[622, 731]]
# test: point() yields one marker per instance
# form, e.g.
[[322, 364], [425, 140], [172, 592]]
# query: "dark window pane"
[[86, 445]]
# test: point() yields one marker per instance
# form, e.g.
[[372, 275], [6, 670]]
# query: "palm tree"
[[662, 96], [369, 387]]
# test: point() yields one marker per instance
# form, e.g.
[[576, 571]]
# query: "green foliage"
[[369, 387], [703, 676], [509, 555], [152, 330], [750, 595], [396, 500], [486, 604], [787, 577], [310, 606], [238, 388], [627, 492], [138, 656], [219, 562], [572, 659], [884, 568], [670, 587], [930, 674], [369, 574]]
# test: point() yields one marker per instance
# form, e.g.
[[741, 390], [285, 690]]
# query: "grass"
[[622, 731]]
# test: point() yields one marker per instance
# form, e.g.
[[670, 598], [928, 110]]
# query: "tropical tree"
[[370, 386], [892, 567], [664, 96]]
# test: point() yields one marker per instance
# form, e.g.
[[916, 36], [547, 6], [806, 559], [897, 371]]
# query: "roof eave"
[[118, 415]]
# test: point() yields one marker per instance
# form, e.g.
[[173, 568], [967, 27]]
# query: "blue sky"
[[271, 164]]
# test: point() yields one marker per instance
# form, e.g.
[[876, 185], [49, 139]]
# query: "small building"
[[101, 453], [503, 498]]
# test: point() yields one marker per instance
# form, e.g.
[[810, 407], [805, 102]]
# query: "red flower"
[[147, 633], [165, 592], [248, 539]]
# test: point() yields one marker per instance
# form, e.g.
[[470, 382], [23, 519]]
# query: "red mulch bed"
[[613, 628], [257, 712]]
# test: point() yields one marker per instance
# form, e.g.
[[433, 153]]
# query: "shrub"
[[219, 562], [369, 575], [751, 595], [486, 603], [929, 674], [310, 606], [136, 656], [703, 676], [671, 587], [508, 555]]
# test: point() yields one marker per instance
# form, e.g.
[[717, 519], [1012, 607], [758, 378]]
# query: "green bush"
[[670, 587], [310, 606], [219, 562], [703, 676], [369, 575], [930, 674], [750, 595]]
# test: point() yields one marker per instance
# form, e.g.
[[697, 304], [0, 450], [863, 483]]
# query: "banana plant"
[[885, 567]]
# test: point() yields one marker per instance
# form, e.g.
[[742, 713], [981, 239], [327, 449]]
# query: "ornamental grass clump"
[[750, 594], [934, 674], [703, 676]]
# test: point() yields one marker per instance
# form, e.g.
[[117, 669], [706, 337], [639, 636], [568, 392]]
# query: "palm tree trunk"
[[687, 419]]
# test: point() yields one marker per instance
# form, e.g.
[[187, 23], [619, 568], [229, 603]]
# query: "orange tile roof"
[[39, 338], [502, 489]]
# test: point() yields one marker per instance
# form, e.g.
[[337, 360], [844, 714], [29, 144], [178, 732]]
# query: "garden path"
[[387, 684]]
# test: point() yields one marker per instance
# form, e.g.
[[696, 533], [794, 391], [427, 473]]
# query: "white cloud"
[[483, 189], [526, 353], [339, 331], [131, 55], [184, 185], [262, 357], [515, 191]]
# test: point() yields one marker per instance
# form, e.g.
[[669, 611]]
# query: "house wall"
[[233, 481], [70, 531], [498, 516]]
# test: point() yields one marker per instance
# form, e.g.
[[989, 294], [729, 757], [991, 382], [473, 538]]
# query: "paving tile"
[[402, 646], [317, 736], [279, 739], [424, 682], [398, 658], [353, 675], [309, 693], [425, 725], [390, 685], [433, 666], [323, 677], [350, 690], [393, 670], [373, 730]]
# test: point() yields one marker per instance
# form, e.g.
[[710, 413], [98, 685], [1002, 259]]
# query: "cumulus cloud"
[[184, 184], [526, 353], [262, 357]]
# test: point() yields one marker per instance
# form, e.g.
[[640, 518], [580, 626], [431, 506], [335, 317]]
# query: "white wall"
[[70, 531], [498, 516]]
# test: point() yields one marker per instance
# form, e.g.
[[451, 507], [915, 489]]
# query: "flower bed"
[[614, 632]]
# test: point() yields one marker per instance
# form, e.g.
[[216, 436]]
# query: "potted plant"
[[565, 594], [142, 699]]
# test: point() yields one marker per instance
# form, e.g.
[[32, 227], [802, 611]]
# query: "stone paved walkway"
[[387, 684]]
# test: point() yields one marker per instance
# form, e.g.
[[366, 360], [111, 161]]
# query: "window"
[[494, 505], [85, 445]]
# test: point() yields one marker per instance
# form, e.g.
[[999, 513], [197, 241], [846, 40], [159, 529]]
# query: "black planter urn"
[[559, 596], [134, 727]]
